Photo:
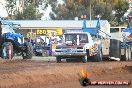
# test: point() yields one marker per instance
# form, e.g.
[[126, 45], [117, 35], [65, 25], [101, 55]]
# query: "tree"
[[68, 10], [30, 9], [121, 6], [53, 4], [11, 8], [104, 9], [36, 3], [76, 8], [29, 13], [73, 8]]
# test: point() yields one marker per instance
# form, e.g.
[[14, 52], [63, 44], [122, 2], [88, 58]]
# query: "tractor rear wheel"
[[28, 52], [7, 50]]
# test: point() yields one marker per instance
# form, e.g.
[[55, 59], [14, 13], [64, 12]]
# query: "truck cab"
[[79, 45]]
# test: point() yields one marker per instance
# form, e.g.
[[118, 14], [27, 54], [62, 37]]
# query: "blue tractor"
[[12, 43]]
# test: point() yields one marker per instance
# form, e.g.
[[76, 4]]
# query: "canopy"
[[9, 23], [5, 22], [92, 31], [127, 30]]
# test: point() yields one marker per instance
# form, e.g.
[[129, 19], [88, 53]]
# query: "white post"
[[77, 39], [31, 35]]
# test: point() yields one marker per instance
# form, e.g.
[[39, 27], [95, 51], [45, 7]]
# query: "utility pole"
[[90, 10], [98, 25], [90, 13]]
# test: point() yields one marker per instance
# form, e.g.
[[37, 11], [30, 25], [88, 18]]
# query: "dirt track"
[[40, 74]]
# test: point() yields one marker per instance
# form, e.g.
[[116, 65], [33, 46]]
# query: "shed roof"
[[65, 24]]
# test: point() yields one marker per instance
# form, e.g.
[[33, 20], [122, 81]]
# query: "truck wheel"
[[98, 56], [28, 52], [85, 59], [6, 53], [58, 59]]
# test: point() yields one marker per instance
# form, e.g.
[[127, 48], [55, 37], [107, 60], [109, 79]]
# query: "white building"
[[57, 26]]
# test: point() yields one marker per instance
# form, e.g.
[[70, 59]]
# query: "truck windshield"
[[72, 38]]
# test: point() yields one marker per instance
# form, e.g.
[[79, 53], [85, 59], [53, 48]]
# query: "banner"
[[57, 31]]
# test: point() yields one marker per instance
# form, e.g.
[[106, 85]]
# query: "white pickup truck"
[[79, 45]]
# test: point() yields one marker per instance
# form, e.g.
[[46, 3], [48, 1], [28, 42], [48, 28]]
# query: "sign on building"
[[41, 32], [57, 31]]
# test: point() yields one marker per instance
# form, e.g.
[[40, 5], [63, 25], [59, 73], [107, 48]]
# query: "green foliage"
[[104, 9], [10, 7], [121, 6], [30, 11], [71, 9], [76, 8]]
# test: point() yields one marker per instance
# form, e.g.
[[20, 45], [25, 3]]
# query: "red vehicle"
[[79, 45]]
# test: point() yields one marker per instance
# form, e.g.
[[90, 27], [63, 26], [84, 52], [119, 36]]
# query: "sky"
[[46, 16], [3, 12]]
